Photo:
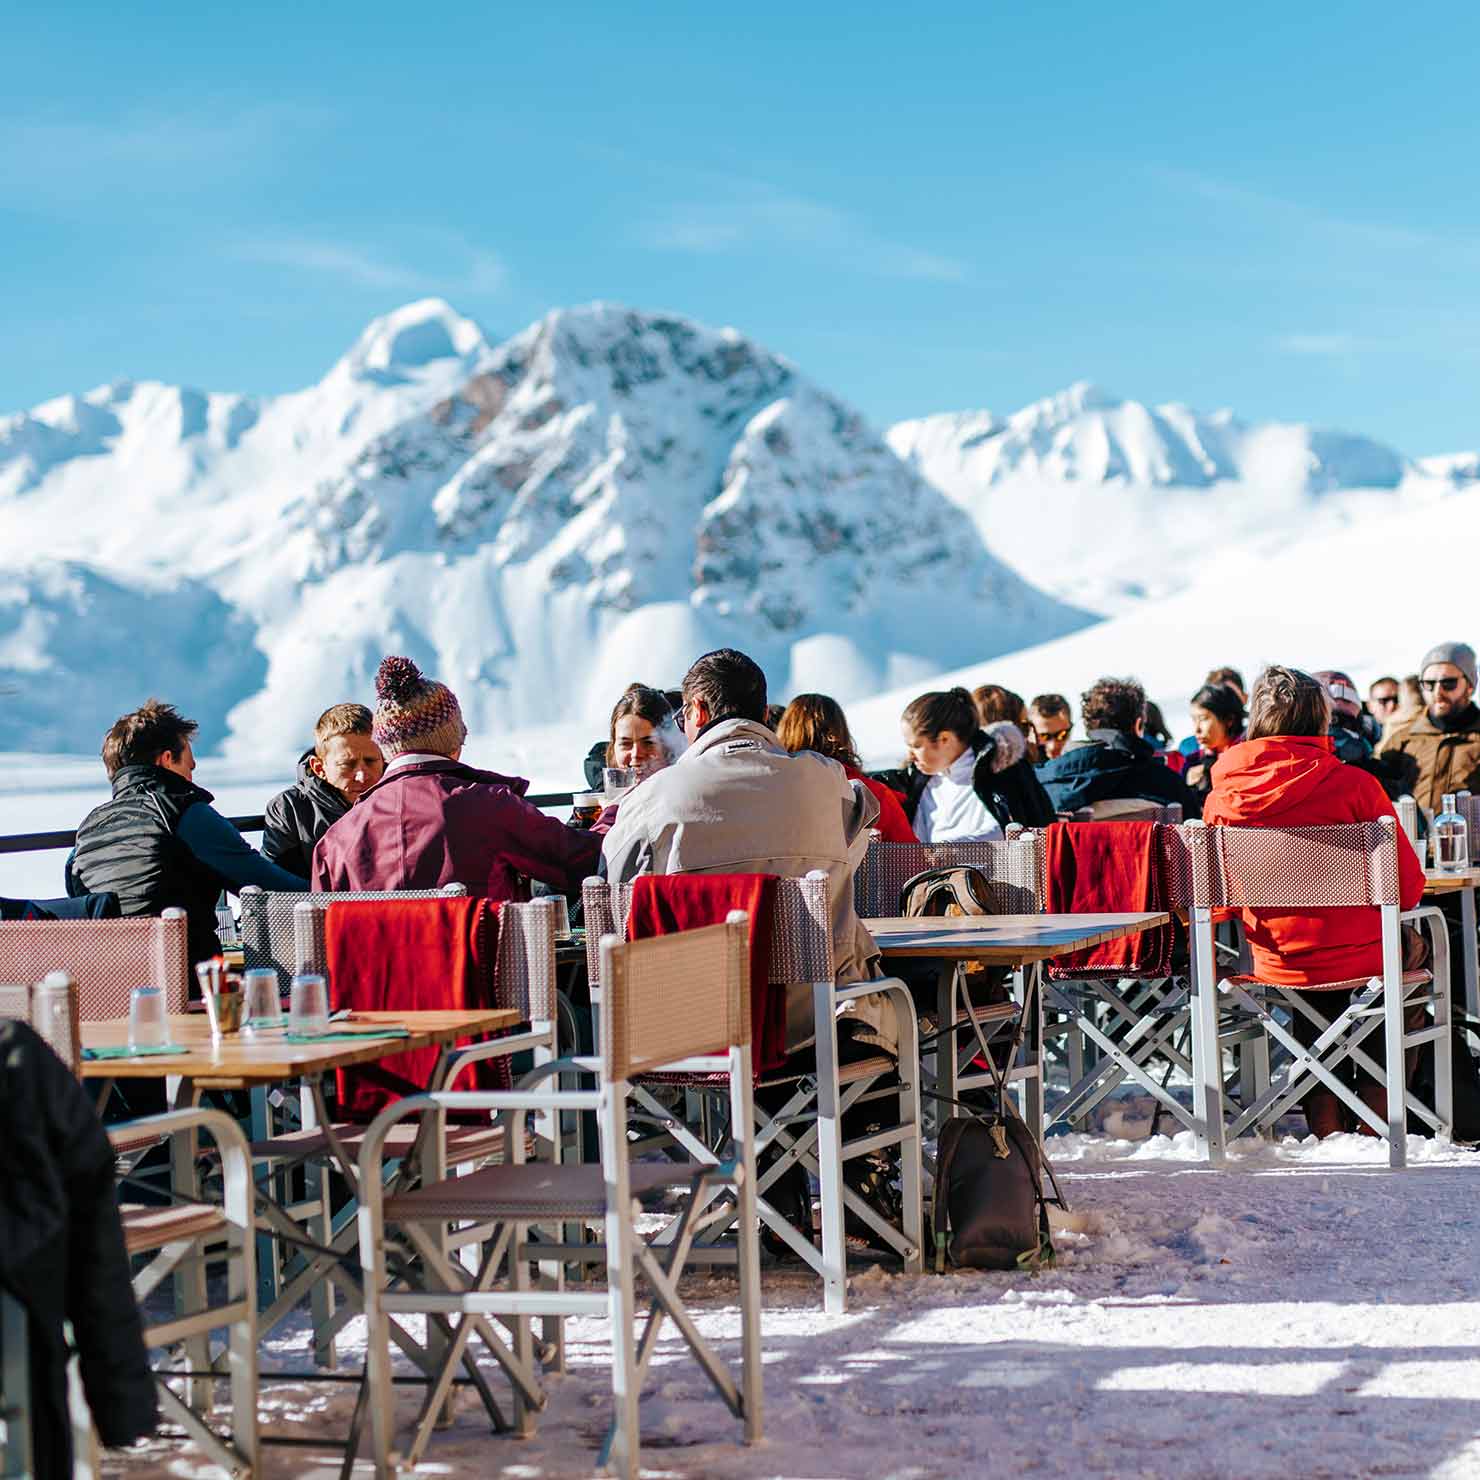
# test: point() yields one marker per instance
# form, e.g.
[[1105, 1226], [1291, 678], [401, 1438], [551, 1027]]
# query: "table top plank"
[[1004, 940], [1447, 883], [238, 1062]]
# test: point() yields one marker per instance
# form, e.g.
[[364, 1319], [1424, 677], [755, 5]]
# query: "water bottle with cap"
[[1451, 839]]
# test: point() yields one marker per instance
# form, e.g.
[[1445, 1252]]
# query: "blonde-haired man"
[[343, 762]]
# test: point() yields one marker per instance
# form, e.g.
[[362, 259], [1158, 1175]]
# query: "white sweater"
[[950, 811]]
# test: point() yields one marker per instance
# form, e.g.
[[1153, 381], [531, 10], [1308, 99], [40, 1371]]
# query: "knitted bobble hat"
[[414, 712]]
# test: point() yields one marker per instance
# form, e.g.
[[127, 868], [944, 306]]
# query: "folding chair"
[[181, 1234], [1013, 869], [106, 958], [524, 979], [807, 1130], [680, 1002], [1354, 865]]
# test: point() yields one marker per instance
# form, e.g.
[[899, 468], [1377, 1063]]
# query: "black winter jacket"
[[130, 847], [1112, 765], [298, 817], [1007, 785], [62, 1253]]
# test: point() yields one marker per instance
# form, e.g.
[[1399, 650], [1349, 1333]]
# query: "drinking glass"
[[586, 808], [148, 1023], [308, 1008], [264, 1008], [617, 781]]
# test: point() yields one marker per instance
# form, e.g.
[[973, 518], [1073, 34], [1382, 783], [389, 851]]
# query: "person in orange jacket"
[[1285, 774]]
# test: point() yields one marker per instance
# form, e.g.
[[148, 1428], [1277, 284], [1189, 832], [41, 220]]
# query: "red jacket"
[[436, 822], [1296, 781], [893, 824]]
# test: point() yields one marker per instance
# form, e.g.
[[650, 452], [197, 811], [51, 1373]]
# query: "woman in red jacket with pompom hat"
[[1286, 774]]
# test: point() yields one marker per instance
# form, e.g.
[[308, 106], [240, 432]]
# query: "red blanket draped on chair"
[[409, 955], [1108, 868], [665, 903]]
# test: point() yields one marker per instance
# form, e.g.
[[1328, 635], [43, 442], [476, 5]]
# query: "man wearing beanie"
[[1437, 749], [430, 820]]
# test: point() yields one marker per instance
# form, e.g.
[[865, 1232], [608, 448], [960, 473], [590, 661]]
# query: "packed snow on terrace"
[[1305, 1313]]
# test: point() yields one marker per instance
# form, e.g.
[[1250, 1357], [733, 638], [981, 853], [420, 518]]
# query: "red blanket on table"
[[665, 903], [1108, 868], [409, 955]]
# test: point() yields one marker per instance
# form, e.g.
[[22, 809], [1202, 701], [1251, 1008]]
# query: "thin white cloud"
[[467, 269], [758, 215]]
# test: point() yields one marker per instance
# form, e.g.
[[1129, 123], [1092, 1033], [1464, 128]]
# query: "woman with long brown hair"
[[817, 723]]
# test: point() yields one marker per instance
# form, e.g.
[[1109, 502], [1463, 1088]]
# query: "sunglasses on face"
[[1386, 701], [1045, 736], [1449, 685]]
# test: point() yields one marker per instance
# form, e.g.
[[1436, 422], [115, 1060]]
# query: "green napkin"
[[123, 1051], [332, 1037]]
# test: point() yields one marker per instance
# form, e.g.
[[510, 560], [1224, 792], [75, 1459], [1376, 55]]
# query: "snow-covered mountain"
[[539, 522], [1108, 502]]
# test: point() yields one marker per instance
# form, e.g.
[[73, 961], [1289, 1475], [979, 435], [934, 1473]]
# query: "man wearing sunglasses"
[[1438, 749]]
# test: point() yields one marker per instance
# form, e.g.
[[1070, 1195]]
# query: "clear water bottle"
[[1451, 839], [225, 922]]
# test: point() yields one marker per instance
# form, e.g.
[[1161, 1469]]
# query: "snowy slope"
[[1359, 598], [1109, 502], [600, 498]]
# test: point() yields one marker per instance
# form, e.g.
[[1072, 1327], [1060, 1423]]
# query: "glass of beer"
[[586, 808]]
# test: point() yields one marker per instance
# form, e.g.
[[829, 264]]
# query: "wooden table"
[[243, 1062], [1015, 941], [1003, 940], [1462, 884], [238, 1062]]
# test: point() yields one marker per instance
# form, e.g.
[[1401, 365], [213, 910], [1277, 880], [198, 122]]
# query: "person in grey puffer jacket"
[[343, 763]]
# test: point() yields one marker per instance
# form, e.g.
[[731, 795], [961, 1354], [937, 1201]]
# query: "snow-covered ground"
[[1306, 1313]]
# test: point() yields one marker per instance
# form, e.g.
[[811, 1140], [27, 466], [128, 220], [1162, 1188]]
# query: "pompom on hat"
[[413, 712]]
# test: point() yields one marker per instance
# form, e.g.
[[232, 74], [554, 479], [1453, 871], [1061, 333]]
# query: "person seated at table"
[[1114, 762], [1217, 722], [1052, 722], [962, 783], [1437, 749], [644, 738], [736, 801], [817, 723], [158, 843], [1285, 773], [333, 773], [1158, 736], [431, 820], [1383, 699]]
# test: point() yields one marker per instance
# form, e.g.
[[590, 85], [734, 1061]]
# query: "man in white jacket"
[[737, 802]]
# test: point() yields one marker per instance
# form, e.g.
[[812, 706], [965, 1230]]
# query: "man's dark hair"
[[728, 684], [1113, 704], [137, 739], [1227, 675], [1049, 705], [1386, 678]]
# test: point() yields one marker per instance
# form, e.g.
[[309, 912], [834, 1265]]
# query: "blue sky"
[[1265, 206]]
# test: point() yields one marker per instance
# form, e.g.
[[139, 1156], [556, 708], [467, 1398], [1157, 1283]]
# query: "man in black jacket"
[[1114, 762], [62, 1254], [344, 763], [159, 843]]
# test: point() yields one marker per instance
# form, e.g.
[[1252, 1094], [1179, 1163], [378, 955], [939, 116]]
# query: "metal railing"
[[44, 842]]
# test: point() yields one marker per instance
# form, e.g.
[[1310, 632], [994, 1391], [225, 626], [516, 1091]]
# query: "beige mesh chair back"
[[1127, 809], [106, 958], [1012, 867], [663, 1002], [50, 1007], [801, 930], [1350, 866], [267, 922]]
